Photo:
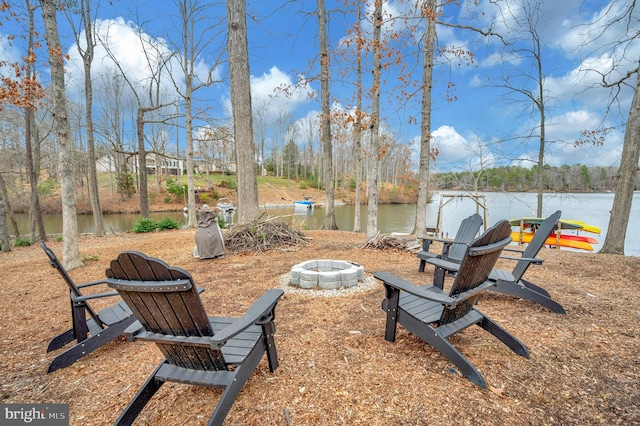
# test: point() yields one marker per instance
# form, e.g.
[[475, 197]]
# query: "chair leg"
[[442, 345], [269, 329], [241, 374], [438, 278], [80, 326], [61, 340], [142, 397], [504, 336], [390, 306], [422, 265], [534, 287], [89, 345], [515, 289]]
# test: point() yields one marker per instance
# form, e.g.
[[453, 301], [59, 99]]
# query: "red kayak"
[[574, 237]]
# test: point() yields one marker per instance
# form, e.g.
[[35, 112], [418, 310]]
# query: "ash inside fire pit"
[[326, 274]]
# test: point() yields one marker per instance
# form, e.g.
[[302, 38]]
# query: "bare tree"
[[194, 41], [19, 87], [241, 106], [325, 120], [373, 169], [87, 54], [526, 81], [430, 13], [70, 252], [153, 100], [619, 12]]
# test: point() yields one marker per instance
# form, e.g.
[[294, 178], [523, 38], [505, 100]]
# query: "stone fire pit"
[[326, 274]]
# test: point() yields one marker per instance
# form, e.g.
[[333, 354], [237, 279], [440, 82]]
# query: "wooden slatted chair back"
[[477, 263], [165, 300], [466, 233], [545, 229]]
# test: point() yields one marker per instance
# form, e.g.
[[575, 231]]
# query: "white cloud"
[[276, 92], [453, 148], [564, 131], [138, 54], [8, 53], [476, 81]]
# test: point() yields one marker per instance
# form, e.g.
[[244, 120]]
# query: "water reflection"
[[590, 208]]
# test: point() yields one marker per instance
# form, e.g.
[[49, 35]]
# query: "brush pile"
[[386, 241], [261, 235]]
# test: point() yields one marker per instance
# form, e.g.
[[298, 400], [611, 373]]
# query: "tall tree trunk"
[[92, 175], [374, 165], [35, 216], [32, 168], [191, 194], [627, 175], [358, 123], [425, 128], [70, 253], [541, 107], [325, 120], [4, 194], [242, 115], [4, 232], [142, 164]]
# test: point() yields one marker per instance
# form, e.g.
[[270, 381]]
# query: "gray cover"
[[209, 238]]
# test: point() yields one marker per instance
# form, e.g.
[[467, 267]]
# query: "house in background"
[[167, 166], [215, 166]]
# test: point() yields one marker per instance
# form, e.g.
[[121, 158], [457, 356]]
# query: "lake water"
[[589, 208]]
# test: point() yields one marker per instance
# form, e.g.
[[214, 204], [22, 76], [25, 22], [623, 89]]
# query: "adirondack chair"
[[513, 284], [90, 329], [431, 314], [199, 350], [452, 249]]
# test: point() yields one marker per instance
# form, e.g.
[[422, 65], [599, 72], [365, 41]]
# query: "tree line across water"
[[565, 178]]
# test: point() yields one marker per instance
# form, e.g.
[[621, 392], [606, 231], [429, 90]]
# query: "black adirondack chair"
[[434, 316], [455, 249], [90, 329], [199, 350], [513, 284]]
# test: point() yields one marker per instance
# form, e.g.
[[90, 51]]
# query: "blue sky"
[[481, 122]]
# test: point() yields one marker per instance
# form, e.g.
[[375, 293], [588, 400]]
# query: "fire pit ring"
[[326, 274]]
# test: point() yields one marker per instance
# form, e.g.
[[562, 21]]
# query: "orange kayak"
[[552, 241]]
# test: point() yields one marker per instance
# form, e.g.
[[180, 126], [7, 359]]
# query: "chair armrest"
[[256, 314], [444, 264], [423, 292], [93, 296], [534, 260], [436, 239], [469, 293]]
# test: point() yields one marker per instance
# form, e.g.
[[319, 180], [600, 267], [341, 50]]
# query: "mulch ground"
[[335, 366]]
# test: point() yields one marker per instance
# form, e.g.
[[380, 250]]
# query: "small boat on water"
[[305, 203], [528, 226]]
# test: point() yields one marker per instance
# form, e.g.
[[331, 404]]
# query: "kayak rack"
[[479, 199]]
